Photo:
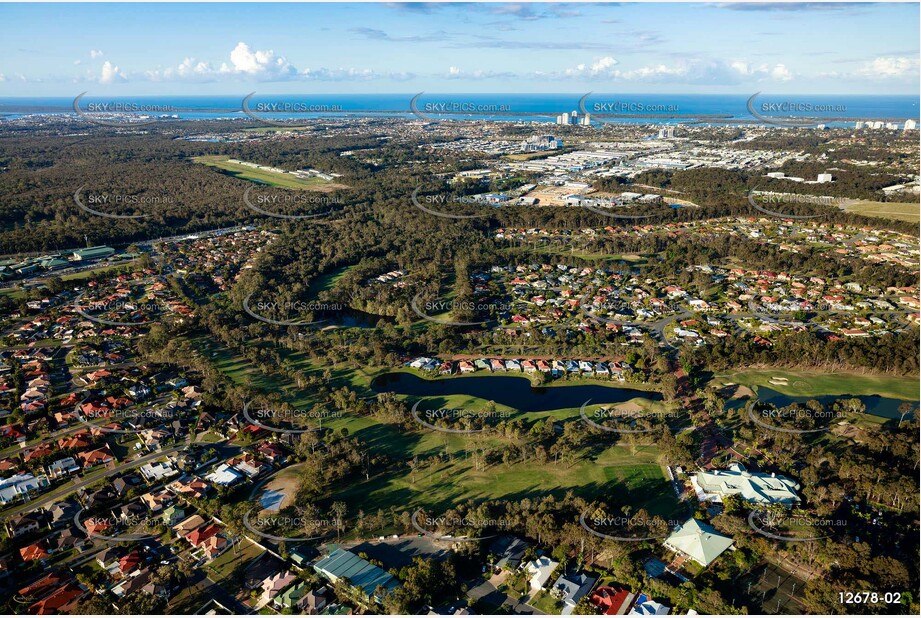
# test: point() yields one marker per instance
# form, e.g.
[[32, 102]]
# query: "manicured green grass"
[[546, 603], [274, 179], [815, 383], [327, 281], [14, 293], [618, 470], [222, 566], [900, 211], [632, 476], [209, 437], [235, 367], [95, 272]]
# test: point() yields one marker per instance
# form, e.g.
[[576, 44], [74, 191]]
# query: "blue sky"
[[170, 49]]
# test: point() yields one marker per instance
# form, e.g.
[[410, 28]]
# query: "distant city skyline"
[[211, 49]]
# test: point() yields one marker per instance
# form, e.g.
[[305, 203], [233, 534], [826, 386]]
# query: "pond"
[[512, 391], [885, 407]]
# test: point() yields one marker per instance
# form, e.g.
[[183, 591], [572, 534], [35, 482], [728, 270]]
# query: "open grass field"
[[243, 553], [285, 181], [623, 470], [327, 281], [95, 272], [14, 293], [815, 383], [900, 211], [630, 474]]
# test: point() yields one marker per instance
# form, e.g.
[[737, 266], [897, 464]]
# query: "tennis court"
[[771, 590]]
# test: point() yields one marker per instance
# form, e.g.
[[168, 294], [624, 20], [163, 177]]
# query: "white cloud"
[[258, 63], [690, 71], [111, 73], [778, 72], [457, 73], [96, 53], [890, 67], [781, 73], [247, 63], [599, 67]]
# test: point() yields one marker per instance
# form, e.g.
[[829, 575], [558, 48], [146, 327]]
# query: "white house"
[[539, 571]]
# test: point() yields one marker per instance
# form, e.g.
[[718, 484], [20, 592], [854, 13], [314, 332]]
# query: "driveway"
[[488, 592]]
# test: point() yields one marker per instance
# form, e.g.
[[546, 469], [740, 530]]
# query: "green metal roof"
[[360, 573]]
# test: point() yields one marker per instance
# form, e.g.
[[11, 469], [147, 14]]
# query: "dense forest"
[[41, 174]]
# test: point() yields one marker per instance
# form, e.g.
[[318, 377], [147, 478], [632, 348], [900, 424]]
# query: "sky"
[[345, 48]]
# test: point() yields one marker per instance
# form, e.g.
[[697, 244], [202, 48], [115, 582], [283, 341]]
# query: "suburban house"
[[63, 467], [508, 551], [570, 589], [698, 541], [613, 601], [539, 571], [275, 584], [20, 487], [22, 524], [645, 606]]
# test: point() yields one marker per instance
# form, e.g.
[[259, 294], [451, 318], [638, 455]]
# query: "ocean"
[[629, 108]]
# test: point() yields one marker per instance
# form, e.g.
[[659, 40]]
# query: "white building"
[[755, 487], [824, 178], [698, 541], [910, 125], [225, 475], [20, 487], [539, 571], [157, 471], [63, 467]]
